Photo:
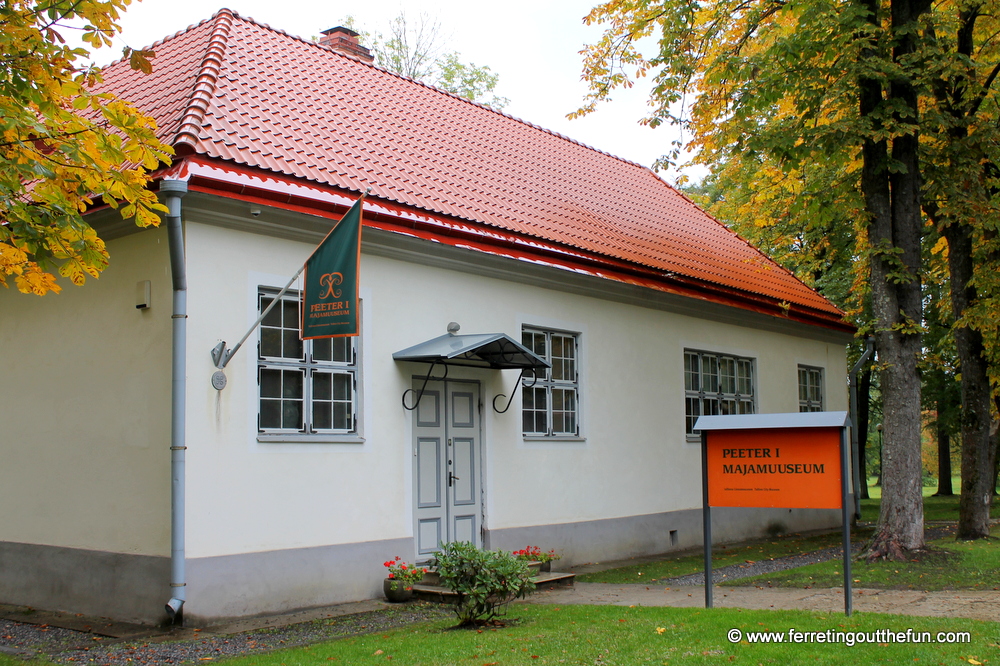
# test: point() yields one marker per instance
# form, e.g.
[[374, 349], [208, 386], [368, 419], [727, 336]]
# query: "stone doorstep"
[[433, 591]]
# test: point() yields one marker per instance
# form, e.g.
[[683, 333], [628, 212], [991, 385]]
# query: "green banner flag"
[[330, 291]]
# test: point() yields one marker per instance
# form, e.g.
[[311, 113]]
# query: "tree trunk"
[[864, 409], [996, 460], [878, 479], [977, 445], [900, 524], [892, 199], [944, 463]]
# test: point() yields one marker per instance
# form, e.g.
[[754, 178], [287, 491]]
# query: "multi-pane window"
[[550, 398], [810, 389], [716, 384], [306, 386]]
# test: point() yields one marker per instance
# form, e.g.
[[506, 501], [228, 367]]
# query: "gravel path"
[[65, 646], [733, 572]]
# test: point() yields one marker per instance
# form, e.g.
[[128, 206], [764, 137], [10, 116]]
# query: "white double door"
[[447, 463]]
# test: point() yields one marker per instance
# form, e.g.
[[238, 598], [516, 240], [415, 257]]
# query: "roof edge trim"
[[326, 201], [205, 83]]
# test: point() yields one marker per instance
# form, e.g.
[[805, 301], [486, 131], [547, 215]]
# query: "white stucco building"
[[305, 472]]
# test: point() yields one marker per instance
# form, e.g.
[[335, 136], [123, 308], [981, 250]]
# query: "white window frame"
[[309, 366], [720, 384], [541, 382], [811, 388]]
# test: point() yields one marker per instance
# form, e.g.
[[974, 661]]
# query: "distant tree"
[[411, 48], [941, 394], [415, 48], [64, 148], [469, 81]]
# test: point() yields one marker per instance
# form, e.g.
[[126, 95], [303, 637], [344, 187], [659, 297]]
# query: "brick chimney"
[[345, 40]]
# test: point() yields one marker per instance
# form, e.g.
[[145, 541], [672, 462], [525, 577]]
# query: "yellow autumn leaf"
[[940, 247], [12, 260], [33, 280]]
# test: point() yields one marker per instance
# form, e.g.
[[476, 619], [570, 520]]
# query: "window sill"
[[554, 438], [296, 438]]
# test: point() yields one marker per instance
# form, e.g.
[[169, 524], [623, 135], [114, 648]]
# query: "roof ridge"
[[205, 82]]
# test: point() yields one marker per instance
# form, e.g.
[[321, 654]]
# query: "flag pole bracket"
[[219, 355]]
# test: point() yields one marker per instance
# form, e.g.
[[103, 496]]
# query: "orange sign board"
[[784, 468]]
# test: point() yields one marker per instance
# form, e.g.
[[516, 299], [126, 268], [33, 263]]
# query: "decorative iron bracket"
[[513, 392], [420, 394]]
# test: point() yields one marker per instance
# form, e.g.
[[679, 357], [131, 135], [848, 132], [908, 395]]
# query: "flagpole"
[[221, 355]]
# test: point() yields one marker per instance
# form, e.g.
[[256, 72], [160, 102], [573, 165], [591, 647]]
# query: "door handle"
[[451, 479]]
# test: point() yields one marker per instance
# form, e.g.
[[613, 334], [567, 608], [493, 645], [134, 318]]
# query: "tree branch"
[[981, 97], [777, 6], [5, 144]]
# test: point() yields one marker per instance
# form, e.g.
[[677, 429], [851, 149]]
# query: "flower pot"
[[546, 566], [395, 591]]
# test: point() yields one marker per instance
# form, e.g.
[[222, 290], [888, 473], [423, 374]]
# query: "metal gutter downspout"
[[173, 191], [855, 446]]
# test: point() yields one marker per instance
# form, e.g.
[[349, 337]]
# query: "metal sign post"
[[846, 526], [797, 460], [706, 519]]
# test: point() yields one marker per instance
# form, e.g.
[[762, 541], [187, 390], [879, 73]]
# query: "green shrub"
[[486, 581]]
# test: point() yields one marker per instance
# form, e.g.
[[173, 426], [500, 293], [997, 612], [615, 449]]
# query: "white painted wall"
[[87, 415], [246, 496], [85, 408]]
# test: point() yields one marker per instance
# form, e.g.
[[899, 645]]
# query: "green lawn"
[[14, 661], [951, 565], [616, 635], [935, 508]]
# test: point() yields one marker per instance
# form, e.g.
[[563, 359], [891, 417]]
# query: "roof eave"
[[289, 193]]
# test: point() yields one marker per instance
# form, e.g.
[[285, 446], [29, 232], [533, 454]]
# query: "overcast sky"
[[532, 44]]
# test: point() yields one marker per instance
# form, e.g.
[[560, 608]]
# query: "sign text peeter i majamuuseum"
[[788, 468]]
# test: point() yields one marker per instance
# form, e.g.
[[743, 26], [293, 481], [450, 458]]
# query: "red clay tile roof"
[[239, 91]]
